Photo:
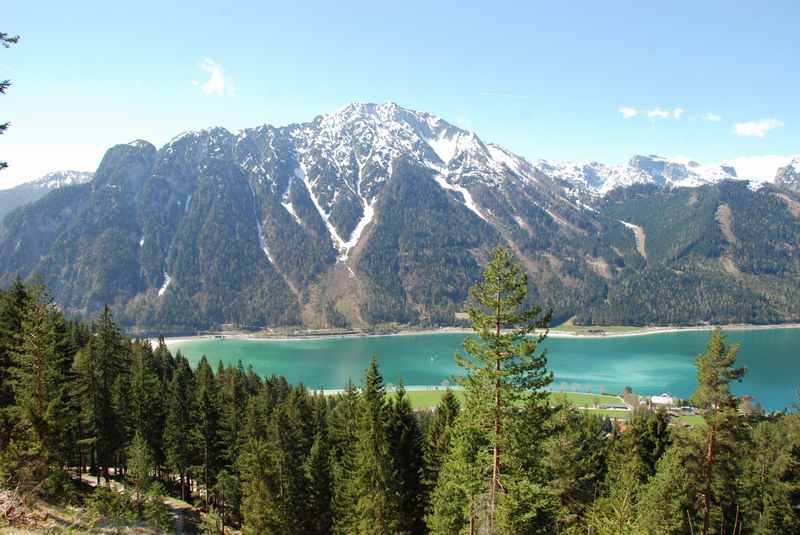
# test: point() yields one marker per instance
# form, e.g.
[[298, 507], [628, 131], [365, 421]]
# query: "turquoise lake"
[[650, 364]]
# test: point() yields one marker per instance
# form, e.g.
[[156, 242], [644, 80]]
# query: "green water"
[[650, 364]]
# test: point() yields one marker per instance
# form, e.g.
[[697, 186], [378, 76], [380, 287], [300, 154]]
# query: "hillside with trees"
[[123, 431]]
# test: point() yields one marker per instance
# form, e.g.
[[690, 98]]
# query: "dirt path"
[[184, 517]]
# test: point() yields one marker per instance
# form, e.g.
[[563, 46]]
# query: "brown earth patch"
[[729, 266], [791, 204], [725, 219], [600, 266]]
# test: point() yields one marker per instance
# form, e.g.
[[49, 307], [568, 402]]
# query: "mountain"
[[599, 179], [789, 176], [36, 189], [379, 214]]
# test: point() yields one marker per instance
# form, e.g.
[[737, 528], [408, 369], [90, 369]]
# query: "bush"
[[154, 510], [113, 507], [58, 487]]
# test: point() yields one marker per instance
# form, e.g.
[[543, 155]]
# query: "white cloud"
[[218, 83], [628, 112], [658, 113], [756, 128], [758, 167], [677, 112], [712, 117]]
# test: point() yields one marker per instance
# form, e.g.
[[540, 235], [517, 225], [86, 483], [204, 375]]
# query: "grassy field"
[[691, 419], [568, 327], [425, 399]]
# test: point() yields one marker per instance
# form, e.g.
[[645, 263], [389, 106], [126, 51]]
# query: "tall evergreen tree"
[[503, 368], [377, 507], [318, 477], [772, 477], [140, 463], [97, 367], [437, 439], [715, 371], [343, 426], [146, 403], [179, 429], [667, 504], [41, 390], [407, 446], [13, 303], [208, 415], [573, 462]]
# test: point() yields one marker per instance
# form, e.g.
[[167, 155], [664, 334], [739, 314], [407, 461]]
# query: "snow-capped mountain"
[[59, 179], [599, 178], [380, 214], [342, 161], [30, 191]]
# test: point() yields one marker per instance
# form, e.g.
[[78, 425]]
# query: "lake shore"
[[583, 332]]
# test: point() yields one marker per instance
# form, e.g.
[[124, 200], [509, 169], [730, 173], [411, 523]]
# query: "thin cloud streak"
[[502, 95]]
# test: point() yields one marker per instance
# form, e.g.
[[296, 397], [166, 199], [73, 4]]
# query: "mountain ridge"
[[32, 190], [376, 213]]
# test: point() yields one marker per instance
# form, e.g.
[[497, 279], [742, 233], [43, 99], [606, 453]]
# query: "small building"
[[663, 400]]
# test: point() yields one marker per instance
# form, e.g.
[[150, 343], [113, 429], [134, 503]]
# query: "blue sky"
[[712, 81]]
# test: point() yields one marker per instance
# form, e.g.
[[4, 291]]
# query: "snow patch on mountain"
[[444, 146], [167, 281], [262, 241], [468, 201], [337, 240]]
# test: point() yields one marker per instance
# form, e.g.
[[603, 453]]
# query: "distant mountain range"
[[376, 214], [36, 189]]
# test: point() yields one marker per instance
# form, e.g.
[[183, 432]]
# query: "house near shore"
[[662, 400]]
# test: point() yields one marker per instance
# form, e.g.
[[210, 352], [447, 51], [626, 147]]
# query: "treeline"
[[264, 456]]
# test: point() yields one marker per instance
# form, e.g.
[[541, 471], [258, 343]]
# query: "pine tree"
[[318, 478], [573, 462], [140, 463], [406, 444], [615, 512], [6, 40], [179, 429], [377, 507], [343, 419], [667, 503], [41, 391], [771, 477], [97, 367], [461, 493], [13, 303], [437, 439], [503, 368], [234, 400], [648, 437], [254, 466], [208, 415], [715, 372], [146, 399]]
